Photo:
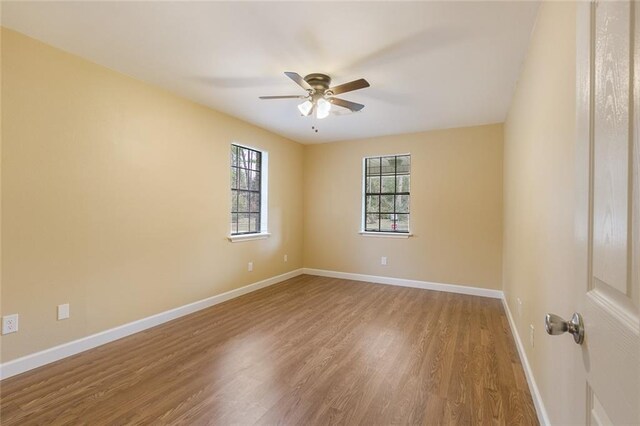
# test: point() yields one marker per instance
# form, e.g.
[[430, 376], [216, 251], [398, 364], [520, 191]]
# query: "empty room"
[[317, 212]]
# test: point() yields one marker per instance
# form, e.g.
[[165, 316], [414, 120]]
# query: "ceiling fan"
[[320, 96]]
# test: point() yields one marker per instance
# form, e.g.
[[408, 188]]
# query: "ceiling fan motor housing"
[[319, 82]]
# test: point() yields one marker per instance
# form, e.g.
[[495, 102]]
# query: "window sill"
[[386, 234], [248, 237]]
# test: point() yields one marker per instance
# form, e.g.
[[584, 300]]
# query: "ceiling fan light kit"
[[323, 107], [306, 107], [320, 96]]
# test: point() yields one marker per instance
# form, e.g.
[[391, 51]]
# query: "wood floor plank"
[[310, 350]]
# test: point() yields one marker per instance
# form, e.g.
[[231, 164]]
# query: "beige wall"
[[539, 201], [456, 208], [115, 198]]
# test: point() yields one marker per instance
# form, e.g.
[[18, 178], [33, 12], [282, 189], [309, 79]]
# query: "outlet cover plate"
[[10, 324], [519, 307]]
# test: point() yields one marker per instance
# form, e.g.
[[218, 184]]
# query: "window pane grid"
[[387, 193], [246, 196]]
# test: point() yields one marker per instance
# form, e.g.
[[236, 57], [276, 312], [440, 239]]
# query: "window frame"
[[262, 231], [363, 219]]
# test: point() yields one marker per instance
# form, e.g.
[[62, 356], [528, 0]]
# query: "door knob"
[[556, 325]]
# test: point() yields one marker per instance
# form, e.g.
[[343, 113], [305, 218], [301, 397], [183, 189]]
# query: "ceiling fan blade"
[[346, 104], [284, 97], [298, 79], [351, 86]]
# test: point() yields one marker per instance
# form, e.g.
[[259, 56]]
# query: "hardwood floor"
[[310, 350]]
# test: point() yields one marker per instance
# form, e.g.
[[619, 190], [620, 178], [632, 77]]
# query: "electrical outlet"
[[63, 311], [10, 324], [286, 258], [519, 307], [532, 331], [250, 267], [383, 260]]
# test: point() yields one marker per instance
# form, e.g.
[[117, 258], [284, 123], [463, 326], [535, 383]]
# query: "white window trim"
[[264, 200], [381, 234], [402, 235], [248, 237]]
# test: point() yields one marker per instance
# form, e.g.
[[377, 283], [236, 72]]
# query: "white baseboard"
[[426, 285], [38, 359], [543, 417]]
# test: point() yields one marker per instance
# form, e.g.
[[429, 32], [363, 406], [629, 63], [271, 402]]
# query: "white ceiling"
[[431, 65]]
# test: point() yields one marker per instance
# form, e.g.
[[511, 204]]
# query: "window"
[[248, 191], [386, 194]]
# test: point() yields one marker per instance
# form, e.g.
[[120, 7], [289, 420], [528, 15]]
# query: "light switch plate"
[[63, 311], [532, 331]]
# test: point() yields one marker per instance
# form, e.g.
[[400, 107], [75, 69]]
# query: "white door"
[[608, 219]]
